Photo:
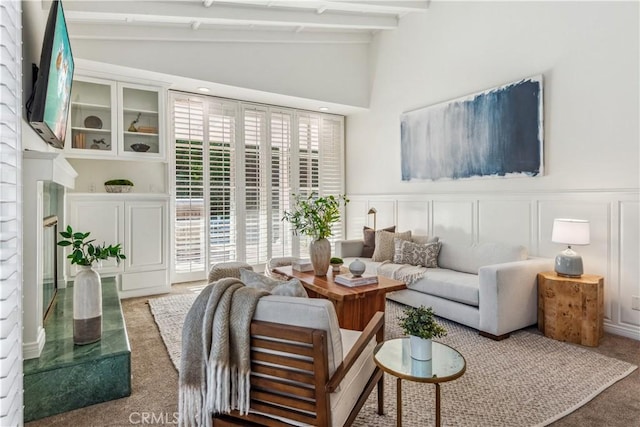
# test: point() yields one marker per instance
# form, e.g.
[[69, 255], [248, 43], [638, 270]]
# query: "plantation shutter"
[[10, 213], [222, 183], [189, 224], [281, 123], [256, 187], [331, 165], [308, 164]]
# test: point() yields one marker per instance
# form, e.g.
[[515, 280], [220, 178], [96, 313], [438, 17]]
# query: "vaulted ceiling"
[[287, 21]]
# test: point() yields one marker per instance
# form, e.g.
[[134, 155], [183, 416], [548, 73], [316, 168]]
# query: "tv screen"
[[50, 105]]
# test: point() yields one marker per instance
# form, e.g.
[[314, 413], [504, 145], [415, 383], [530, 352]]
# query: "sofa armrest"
[[349, 248], [509, 295]]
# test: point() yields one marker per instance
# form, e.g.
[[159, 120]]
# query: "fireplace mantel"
[[38, 167]]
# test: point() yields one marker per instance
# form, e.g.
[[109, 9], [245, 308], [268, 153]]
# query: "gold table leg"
[[399, 402]]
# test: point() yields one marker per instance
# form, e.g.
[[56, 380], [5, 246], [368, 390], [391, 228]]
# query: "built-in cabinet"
[[139, 222], [114, 119]]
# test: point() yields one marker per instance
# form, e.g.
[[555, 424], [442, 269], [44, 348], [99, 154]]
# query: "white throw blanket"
[[406, 273], [215, 362]]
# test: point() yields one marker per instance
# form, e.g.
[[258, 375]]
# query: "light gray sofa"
[[491, 287]]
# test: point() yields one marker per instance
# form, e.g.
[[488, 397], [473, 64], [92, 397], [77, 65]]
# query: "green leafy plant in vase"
[[313, 216], [87, 286], [336, 263], [421, 326]]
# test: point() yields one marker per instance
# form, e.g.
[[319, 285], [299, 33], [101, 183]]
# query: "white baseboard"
[[32, 350], [628, 332], [154, 290]]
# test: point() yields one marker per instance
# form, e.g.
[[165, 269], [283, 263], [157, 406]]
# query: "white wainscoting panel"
[[629, 261], [413, 216], [515, 226], [453, 221], [527, 218]]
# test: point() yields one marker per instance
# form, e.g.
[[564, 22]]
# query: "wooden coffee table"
[[354, 306]]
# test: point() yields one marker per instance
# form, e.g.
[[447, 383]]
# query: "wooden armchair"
[[298, 373]]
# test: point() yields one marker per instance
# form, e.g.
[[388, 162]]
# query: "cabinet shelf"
[[90, 130], [91, 106], [136, 111], [140, 134]]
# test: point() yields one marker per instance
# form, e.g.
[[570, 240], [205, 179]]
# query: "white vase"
[[420, 348], [320, 253], [87, 306]]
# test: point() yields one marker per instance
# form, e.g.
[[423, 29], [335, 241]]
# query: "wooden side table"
[[571, 308]]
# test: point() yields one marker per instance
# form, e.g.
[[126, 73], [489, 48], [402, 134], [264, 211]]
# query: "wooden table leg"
[[399, 402], [438, 420]]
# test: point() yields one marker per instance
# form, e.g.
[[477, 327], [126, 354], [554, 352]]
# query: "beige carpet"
[[525, 380]]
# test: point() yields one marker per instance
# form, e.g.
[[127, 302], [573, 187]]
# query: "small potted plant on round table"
[[421, 326], [87, 287], [336, 263]]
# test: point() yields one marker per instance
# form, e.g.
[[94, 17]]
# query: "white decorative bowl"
[[118, 188]]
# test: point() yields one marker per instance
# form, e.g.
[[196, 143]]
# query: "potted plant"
[[421, 326], [313, 216], [87, 287], [336, 263]]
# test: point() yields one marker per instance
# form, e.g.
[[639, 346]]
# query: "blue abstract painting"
[[497, 132]]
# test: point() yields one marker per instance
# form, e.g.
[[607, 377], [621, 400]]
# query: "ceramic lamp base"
[[569, 264]]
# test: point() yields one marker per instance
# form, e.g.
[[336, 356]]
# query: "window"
[[278, 152]]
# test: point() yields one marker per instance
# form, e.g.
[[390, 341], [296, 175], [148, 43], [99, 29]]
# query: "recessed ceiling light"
[[323, 108], [203, 89]]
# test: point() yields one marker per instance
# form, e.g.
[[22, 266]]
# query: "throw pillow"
[[384, 244], [369, 237], [291, 288], [425, 255]]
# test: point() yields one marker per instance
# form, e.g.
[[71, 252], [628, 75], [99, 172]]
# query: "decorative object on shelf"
[[147, 129], [87, 287], [132, 127], [313, 216], [336, 263], [79, 140], [97, 142], [570, 232], [357, 267], [373, 212], [118, 186], [93, 122], [421, 326], [140, 147]]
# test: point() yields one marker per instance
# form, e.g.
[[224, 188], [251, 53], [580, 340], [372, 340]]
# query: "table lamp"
[[570, 232], [374, 212]]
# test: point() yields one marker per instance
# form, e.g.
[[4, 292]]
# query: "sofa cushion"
[[425, 255], [469, 259], [385, 247], [369, 238], [451, 285], [416, 238], [290, 288]]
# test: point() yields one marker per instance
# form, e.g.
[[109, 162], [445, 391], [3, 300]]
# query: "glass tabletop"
[[393, 356]]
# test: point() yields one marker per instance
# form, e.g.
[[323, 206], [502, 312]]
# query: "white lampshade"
[[570, 231]]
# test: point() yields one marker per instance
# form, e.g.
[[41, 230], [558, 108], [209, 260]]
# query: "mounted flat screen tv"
[[49, 109]]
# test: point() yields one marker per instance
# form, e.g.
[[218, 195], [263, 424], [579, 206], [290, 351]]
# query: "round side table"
[[393, 357]]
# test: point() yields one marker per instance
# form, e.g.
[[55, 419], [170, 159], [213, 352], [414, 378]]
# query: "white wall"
[[588, 54], [327, 72]]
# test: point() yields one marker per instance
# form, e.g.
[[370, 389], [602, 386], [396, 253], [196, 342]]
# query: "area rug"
[[525, 380]]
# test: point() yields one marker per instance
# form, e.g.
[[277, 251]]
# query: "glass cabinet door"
[[93, 118], [141, 123]]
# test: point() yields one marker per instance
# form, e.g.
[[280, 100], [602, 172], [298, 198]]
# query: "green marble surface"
[[68, 376]]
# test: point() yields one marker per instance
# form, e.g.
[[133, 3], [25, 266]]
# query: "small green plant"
[[313, 216], [86, 253], [336, 260], [119, 182], [420, 322]]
